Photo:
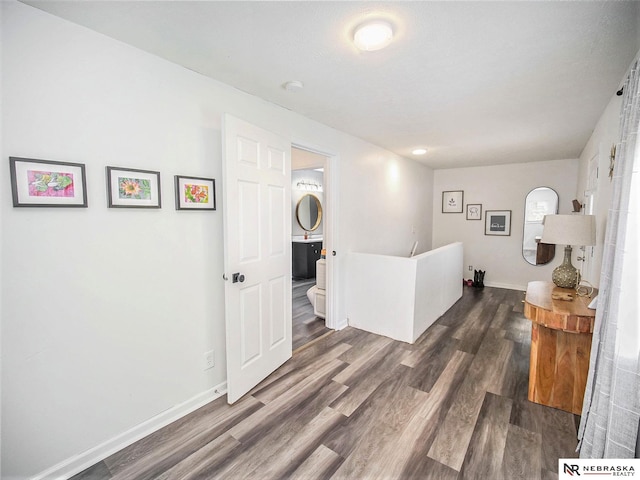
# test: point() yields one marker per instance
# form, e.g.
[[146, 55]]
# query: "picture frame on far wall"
[[195, 193], [47, 183], [133, 188], [474, 211], [452, 201], [497, 222]]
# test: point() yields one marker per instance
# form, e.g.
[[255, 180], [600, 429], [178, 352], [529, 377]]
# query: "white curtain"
[[611, 409]]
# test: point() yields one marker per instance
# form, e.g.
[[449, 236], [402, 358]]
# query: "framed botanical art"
[[452, 201], [497, 222], [133, 188], [195, 193], [474, 211], [47, 183]]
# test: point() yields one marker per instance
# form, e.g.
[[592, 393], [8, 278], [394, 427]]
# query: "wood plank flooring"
[[306, 326], [354, 405]]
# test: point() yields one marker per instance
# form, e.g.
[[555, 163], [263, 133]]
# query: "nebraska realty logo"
[[597, 468]]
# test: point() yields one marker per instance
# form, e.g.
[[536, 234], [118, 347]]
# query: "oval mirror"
[[540, 201], [309, 212]]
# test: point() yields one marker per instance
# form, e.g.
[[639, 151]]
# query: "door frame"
[[330, 230]]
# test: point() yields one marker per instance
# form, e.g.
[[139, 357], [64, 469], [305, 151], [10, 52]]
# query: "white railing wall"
[[401, 297]]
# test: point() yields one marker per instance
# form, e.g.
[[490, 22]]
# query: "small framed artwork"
[[452, 201], [474, 211], [497, 222], [195, 193], [47, 183], [133, 188]]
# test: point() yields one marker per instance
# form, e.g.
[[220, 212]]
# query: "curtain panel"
[[609, 424]]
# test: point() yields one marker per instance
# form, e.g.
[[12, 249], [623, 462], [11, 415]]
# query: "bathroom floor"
[[306, 326]]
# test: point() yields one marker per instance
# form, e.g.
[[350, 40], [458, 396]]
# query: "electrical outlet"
[[209, 360], [470, 268]]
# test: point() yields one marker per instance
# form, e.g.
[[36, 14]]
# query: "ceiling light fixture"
[[373, 35], [419, 151]]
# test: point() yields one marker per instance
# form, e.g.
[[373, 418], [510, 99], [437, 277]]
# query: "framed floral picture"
[[497, 222], [195, 193], [133, 188], [47, 183], [452, 201], [474, 211]]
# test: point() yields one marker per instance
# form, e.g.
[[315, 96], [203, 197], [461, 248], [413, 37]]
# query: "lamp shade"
[[569, 229]]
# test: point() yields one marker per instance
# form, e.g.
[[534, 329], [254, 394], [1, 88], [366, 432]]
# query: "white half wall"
[[109, 311], [400, 297], [438, 284], [502, 187], [381, 293]]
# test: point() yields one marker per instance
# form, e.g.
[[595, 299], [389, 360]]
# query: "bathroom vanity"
[[305, 253]]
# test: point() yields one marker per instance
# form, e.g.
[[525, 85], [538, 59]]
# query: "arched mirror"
[[309, 212], [540, 201]]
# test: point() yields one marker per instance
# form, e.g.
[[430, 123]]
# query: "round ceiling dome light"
[[373, 35], [419, 151]]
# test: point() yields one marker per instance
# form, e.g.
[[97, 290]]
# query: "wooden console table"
[[560, 346]]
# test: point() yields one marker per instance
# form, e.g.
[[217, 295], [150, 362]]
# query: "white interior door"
[[257, 226]]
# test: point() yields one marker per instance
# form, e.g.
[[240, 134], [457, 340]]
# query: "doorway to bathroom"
[[308, 263]]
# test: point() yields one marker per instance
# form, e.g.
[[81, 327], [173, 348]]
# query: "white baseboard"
[[76, 464], [508, 286]]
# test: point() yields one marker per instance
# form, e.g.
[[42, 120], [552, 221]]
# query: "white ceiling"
[[477, 83]]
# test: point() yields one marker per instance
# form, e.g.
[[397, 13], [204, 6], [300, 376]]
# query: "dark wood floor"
[[355, 405], [306, 326]]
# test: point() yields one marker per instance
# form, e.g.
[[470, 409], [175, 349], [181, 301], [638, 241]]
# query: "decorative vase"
[[566, 275]]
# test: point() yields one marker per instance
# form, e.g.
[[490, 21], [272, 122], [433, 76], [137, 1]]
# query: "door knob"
[[238, 277]]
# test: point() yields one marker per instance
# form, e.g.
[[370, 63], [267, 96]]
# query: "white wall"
[[109, 311], [604, 136], [503, 187], [599, 145], [386, 199]]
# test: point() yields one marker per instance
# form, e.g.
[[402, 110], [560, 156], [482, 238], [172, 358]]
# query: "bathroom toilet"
[[311, 295], [317, 294]]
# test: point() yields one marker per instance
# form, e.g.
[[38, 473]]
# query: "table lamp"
[[568, 230]]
